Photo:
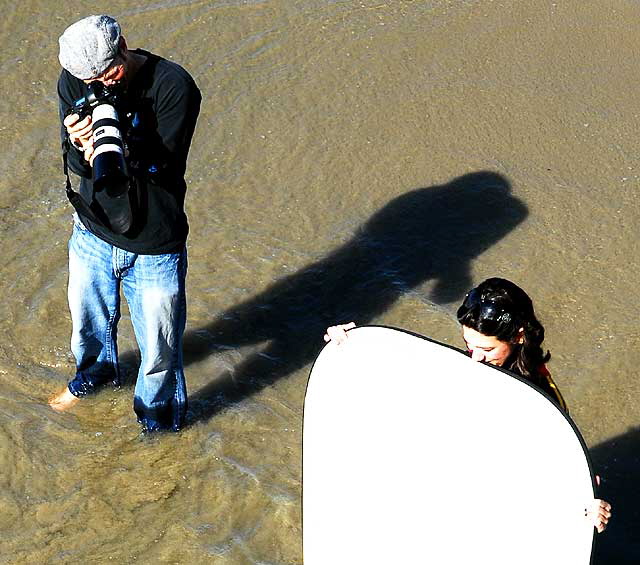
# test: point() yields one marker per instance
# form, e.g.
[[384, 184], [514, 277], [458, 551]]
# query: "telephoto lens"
[[110, 178]]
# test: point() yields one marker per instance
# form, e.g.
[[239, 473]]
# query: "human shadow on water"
[[618, 462], [429, 233]]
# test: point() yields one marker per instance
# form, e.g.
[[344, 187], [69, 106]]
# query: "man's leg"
[[94, 302], [154, 288]]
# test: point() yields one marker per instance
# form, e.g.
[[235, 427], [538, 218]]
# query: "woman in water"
[[499, 327]]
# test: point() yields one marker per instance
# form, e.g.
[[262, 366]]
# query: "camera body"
[[97, 94], [109, 169]]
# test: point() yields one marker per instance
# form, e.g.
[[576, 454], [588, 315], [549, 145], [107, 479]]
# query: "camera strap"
[[76, 200]]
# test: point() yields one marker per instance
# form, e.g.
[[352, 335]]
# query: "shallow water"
[[353, 160]]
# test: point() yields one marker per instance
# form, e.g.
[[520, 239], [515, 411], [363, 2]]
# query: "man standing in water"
[[130, 228]]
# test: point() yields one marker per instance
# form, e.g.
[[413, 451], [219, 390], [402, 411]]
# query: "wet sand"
[[353, 160]]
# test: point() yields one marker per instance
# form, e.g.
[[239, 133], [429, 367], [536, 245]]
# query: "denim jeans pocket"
[[78, 223]]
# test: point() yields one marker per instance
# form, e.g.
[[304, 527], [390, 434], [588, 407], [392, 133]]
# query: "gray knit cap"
[[89, 46]]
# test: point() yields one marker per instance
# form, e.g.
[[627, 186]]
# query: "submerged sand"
[[321, 119]]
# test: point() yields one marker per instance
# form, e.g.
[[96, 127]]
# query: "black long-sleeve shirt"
[[157, 114]]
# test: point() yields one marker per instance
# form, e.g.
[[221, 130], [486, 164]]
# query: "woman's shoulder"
[[549, 386]]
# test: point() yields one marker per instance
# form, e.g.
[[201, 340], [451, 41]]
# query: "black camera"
[[110, 176]]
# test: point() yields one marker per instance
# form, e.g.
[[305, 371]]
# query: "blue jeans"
[[154, 288]]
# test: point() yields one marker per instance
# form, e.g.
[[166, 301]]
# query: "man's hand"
[[80, 134]]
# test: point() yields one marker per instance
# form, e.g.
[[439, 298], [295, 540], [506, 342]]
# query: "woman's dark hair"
[[500, 308]]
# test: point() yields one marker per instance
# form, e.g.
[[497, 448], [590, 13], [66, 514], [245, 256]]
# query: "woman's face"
[[486, 348]]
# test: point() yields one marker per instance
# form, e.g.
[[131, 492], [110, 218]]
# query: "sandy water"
[[353, 160]]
